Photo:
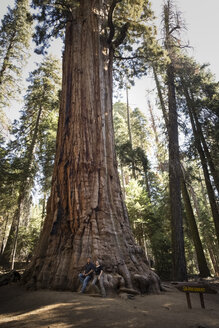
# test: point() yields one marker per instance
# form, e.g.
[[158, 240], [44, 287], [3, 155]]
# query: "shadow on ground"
[[54, 309]]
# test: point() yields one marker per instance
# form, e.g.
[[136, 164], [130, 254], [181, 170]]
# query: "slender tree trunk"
[[154, 127], [207, 240], [11, 243], [178, 258], [4, 235], [210, 190], [43, 210], [123, 181], [130, 131], [214, 260], [86, 213], [24, 191], [145, 243], [153, 123], [160, 96], [199, 135], [213, 170], [14, 250], [202, 264], [7, 57], [147, 184]]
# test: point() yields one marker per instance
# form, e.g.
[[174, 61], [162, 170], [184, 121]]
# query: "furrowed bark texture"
[[178, 251], [86, 215], [179, 262]]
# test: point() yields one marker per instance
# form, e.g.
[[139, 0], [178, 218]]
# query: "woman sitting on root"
[[99, 278]]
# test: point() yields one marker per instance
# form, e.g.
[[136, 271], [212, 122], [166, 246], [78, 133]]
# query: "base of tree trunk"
[[114, 283], [60, 272]]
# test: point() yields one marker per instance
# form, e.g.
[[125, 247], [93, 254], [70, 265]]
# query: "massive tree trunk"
[[86, 214]]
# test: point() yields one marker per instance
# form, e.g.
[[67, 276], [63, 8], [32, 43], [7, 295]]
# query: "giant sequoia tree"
[[86, 214]]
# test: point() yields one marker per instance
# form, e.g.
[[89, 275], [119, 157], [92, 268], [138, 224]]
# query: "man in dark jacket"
[[87, 274]]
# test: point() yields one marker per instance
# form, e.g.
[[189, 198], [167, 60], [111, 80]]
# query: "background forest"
[[144, 139]]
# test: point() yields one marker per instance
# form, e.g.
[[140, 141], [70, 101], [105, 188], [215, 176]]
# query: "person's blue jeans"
[[84, 280]]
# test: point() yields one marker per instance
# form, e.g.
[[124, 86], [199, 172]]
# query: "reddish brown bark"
[[178, 251], [86, 213]]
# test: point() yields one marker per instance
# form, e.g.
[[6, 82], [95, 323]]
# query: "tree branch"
[[173, 29], [128, 58], [110, 21]]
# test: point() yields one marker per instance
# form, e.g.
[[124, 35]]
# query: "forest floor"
[[55, 309]]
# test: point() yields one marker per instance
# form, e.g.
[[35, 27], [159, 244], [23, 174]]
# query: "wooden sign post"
[[195, 288]]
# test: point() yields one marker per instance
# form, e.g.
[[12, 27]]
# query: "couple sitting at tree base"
[[87, 275]]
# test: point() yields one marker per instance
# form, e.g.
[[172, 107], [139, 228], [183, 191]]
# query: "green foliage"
[[8, 181], [127, 27], [46, 149], [52, 17], [205, 95], [140, 48], [32, 150], [131, 153], [29, 235], [146, 197], [150, 220], [15, 34], [42, 98]]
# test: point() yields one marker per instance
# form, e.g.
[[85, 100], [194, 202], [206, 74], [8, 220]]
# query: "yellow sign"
[[193, 289]]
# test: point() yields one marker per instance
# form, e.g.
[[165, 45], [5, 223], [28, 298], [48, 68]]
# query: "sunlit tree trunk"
[[4, 234], [86, 214]]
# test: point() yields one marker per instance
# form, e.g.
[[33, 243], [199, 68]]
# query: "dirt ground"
[[51, 309]]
